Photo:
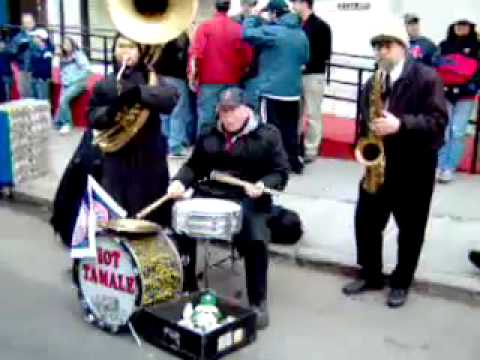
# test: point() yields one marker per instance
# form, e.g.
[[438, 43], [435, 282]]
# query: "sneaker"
[[65, 129], [263, 319], [308, 159], [445, 176], [178, 154]]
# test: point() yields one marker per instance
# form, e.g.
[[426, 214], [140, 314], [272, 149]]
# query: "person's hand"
[[130, 96], [254, 191], [386, 125], [176, 189], [193, 82]]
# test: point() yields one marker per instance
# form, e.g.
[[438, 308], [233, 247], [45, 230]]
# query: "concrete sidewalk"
[[325, 197]]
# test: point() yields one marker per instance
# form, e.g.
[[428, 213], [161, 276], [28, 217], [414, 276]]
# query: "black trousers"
[[252, 244], [406, 194], [285, 116]]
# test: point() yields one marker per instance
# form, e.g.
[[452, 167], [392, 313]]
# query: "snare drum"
[[207, 218], [127, 275]]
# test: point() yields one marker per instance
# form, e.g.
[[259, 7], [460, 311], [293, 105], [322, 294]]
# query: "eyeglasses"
[[379, 45]]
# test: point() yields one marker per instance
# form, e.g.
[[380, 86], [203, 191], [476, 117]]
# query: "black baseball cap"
[[231, 98], [411, 19]]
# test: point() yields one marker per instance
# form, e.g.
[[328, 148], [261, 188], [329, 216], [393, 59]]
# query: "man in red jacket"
[[219, 59]]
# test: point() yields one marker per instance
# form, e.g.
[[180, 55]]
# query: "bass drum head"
[[109, 286], [126, 276]]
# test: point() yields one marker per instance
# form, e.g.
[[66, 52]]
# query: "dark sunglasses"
[[378, 45]]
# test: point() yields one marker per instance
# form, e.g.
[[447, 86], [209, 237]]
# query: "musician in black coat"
[[251, 151], [412, 128], [137, 174]]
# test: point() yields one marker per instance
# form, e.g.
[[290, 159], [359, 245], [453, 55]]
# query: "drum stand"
[[206, 265]]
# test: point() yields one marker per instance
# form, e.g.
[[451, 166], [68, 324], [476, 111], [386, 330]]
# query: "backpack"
[[285, 226], [457, 69]]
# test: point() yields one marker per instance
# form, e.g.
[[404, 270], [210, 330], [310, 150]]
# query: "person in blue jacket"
[[21, 46], [42, 54], [283, 50], [421, 48]]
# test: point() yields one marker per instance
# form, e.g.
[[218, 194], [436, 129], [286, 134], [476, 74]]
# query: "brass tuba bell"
[[152, 24]]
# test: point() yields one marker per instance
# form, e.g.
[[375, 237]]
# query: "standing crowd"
[[31, 52]]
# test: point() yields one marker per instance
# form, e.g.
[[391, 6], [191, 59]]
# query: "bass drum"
[[127, 275]]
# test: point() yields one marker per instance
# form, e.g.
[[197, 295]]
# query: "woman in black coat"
[[137, 174]]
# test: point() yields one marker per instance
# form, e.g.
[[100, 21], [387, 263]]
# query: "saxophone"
[[370, 150]]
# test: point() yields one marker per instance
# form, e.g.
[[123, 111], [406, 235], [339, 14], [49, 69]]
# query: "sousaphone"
[[152, 24]]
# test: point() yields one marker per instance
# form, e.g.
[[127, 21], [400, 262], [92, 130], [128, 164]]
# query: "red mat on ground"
[[339, 135]]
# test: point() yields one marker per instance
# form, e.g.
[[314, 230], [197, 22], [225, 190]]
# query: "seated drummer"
[[245, 148]]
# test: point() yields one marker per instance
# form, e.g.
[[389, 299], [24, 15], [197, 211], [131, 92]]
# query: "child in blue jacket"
[[41, 64]]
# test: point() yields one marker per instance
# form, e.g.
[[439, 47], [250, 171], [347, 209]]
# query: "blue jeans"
[[451, 153], [174, 126], [25, 84], [207, 100], [69, 93], [7, 83], [41, 89]]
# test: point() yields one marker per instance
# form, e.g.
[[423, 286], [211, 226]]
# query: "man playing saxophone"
[[403, 113]]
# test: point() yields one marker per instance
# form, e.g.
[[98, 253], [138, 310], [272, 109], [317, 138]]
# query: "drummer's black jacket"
[[257, 154]]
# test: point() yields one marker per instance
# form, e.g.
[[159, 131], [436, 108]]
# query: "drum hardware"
[[206, 220], [232, 180]]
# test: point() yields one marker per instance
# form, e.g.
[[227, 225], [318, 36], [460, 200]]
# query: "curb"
[[423, 285]]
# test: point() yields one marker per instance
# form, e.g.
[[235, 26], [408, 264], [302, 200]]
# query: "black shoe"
[[263, 319], [397, 298], [361, 286], [297, 168], [474, 257]]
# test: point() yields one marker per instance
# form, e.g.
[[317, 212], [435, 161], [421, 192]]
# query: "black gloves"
[[130, 96]]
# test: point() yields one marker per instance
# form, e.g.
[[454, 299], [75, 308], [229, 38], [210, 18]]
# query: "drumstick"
[[146, 211], [232, 180]]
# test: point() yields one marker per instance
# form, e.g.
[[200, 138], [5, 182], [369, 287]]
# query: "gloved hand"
[[130, 97], [126, 99]]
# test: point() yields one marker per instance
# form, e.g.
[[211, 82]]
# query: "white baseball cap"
[[40, 33]]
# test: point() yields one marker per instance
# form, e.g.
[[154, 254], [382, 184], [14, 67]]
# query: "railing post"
[[329, 72], [105, 55], [62, 21]]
